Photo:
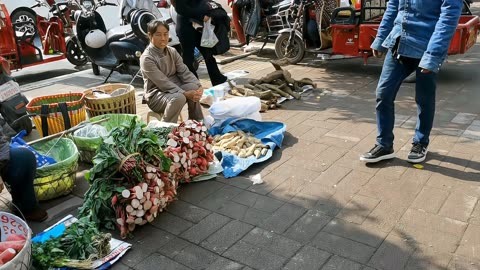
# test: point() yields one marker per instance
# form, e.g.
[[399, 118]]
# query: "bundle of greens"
[[77, 247], [130, 180]]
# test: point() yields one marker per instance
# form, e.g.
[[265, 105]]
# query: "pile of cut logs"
[[272, 87]]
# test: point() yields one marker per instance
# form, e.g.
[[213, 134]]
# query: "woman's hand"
[[194, 95], [206, 18]]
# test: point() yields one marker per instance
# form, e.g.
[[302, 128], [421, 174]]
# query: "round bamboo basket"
[[124, 103]]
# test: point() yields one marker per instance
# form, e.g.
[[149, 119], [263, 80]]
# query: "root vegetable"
[[131, 227], [126, 193], [144, 187], [264, 151], [16, 245], [140, 213], [138, 192], [7, 256], [138, 221], [147, 205], [135, 203], [120, 221], [129, 209]]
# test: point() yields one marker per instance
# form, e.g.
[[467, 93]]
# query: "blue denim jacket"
[[424, 28]]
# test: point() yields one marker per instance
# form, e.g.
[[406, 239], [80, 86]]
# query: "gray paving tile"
[[171, 223], [308, 258], [195, 192], [255, 217], [233, 210], [254, 257], [343, 247], [204, 228], [221, 240], [173, 248], [224, 264], [367, 235], [187, 211], [393, 254], [257, 201], [304, 229], [337, 262], [196, 257], [155, 260], [214, 201], [283, 218], [272, 242], [143, 246]]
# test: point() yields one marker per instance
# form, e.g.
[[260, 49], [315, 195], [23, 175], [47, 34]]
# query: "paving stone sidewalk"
[[319, 207]]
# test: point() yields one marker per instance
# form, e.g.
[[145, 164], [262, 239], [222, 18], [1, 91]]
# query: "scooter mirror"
[[138, 54]]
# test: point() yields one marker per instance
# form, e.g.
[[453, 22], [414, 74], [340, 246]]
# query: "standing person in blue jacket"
[[415, 35]]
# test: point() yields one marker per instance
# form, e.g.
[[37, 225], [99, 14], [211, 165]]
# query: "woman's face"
[[160, 38]]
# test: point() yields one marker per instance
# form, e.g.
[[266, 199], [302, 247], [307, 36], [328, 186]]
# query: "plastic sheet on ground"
[[117, 248], [270, 133]]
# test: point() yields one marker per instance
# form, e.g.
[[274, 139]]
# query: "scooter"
[[117, 49], [57, 12]]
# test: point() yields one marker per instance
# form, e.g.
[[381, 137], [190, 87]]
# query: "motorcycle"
[[26, 18], [117, 49], [264, 19]]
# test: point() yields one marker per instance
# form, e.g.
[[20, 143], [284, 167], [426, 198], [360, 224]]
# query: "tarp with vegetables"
[[76, 244], [244, 142]]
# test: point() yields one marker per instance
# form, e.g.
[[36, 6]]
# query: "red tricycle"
[[353, 29], [31, 41]]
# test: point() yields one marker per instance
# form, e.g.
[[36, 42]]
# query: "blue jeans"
[[394, 71], [19, 174]]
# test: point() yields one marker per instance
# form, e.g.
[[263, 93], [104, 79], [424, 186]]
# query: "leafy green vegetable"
[[105, 178], [77, 247]]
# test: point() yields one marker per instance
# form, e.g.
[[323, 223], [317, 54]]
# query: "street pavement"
[[319, 206]]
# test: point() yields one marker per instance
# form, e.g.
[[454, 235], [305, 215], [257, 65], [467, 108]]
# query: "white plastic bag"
[[91, 131], [237, 107], [209, 39]]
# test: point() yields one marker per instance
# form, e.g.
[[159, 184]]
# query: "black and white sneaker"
[[377, 153], [418, 153]]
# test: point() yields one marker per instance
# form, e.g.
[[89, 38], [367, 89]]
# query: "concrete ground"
[[319, 206]]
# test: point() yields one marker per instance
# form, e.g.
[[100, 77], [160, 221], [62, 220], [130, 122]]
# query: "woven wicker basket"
[[124, 103], [55, 121]]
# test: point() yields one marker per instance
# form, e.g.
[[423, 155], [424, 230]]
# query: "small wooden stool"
[[159, 116]]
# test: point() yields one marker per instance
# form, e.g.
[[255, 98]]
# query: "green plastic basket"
[[88, 146], [52, 181]]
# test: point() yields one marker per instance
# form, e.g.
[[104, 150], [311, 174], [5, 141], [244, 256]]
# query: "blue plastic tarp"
[[270, 133]]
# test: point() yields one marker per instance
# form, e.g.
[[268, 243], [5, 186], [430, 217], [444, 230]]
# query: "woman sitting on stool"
[[168, 83]]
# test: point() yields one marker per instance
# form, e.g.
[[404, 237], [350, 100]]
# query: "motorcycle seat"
[[118, 32]]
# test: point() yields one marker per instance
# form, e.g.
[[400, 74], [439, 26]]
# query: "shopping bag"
[[209, 39]]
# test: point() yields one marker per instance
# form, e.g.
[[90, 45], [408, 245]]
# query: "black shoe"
[[418, 153], [377, 153]]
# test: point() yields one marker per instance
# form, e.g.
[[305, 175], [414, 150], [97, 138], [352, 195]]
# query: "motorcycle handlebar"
[[109, 4]]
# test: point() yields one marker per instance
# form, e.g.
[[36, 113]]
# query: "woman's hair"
[[153, 25]]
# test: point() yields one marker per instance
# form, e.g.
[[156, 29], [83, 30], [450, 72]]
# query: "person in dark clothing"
[[17, 168], [195, 11]]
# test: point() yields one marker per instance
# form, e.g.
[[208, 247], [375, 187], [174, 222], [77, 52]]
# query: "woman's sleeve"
[[154, 74], [183, 73], [197, 12]]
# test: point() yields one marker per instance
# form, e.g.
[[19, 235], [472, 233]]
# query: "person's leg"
[[170, 105], [312, 32], [393, 73], [186, 36], [19, 174], [216, 77], [425, 89], [237, 24], [194, 110]]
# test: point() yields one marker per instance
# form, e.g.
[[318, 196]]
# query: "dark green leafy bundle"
[[108, 177], [77, 247], [125, 140]]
